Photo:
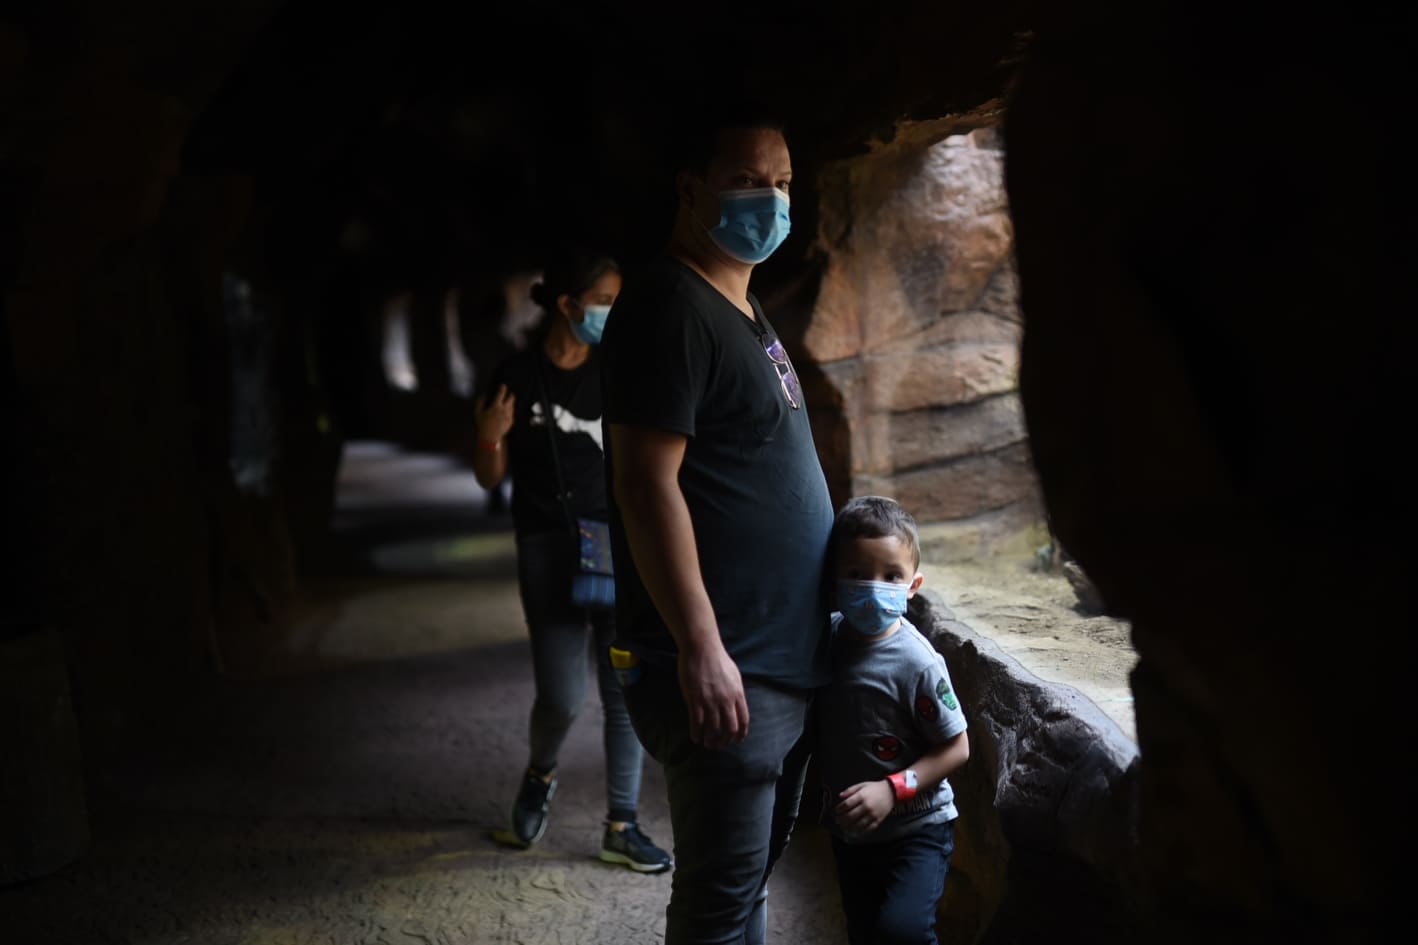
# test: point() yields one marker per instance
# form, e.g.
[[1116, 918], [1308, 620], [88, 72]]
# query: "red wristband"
[[491, 446], [903, 784]]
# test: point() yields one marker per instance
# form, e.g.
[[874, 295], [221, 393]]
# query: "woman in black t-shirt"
[[553, 389]]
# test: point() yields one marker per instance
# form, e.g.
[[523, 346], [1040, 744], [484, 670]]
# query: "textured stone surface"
[[43, 817], [969, 327], [924, 436], [1201, 396], [959, 488], [929, 229], [940, 376], [916, 326], [1045, 839]]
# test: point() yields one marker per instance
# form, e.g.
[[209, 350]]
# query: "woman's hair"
[[875, 516], [570, 271]]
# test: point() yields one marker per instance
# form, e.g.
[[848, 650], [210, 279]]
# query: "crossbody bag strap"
[[561, 493]]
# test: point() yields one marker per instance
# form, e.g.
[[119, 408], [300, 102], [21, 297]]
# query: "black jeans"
[[732, 809], [890, 890]]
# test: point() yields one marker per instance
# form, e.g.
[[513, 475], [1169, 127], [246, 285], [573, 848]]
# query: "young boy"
[[889, 730]]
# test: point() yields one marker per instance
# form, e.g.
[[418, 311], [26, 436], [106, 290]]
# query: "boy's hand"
[[862, 807]]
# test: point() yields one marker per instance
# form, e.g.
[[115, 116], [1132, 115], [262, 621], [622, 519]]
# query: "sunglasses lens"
[[787, 377], [790, 382]]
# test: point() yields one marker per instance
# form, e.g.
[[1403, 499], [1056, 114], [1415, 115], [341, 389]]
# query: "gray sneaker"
[[529, 811], [635, 850]]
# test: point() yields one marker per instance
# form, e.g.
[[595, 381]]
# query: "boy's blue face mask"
[[752, 223], [871, 607], [592, 324]]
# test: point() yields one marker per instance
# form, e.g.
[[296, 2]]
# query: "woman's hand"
[[495, 413]]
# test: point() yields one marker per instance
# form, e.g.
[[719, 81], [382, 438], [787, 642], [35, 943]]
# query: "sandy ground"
[[1033, 617]]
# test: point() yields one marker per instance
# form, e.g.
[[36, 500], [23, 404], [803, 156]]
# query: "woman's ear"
[[567, 306], [916, 583], [684, 187]]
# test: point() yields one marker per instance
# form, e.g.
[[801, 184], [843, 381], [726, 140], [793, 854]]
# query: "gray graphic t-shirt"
[[890, 701]]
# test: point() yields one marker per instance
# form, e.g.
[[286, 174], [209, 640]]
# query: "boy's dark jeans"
[[890, 890], [732, 809]]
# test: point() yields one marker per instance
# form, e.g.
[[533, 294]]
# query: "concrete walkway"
[[342, 791]]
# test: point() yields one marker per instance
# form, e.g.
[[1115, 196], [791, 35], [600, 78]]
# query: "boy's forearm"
[[936, 765]]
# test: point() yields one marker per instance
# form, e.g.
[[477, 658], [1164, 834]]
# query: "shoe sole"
[[608, 856], [508, 838]]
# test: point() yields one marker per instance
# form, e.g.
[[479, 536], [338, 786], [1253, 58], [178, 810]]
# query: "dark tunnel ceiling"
[[470, 130]]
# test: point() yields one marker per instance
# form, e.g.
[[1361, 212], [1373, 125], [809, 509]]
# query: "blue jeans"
[[732, 809], [890, 890], [565, 639]]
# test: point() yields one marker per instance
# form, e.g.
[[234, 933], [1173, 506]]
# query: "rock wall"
[[916, 326], [112, 253], [1046, 844], [1219, 326]]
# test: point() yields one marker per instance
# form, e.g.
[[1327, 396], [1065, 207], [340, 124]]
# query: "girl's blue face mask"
[[752, 223], [592, 324], [872, 607]]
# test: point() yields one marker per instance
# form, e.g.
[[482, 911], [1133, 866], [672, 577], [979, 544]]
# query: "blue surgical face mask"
[[592, 324], [871, 607], [752, 223]]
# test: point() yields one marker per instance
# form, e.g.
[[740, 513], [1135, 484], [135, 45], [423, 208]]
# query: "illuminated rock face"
[[916, 327]]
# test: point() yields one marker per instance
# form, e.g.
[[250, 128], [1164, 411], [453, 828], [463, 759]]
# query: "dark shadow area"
[[350, 775], [208, 211]]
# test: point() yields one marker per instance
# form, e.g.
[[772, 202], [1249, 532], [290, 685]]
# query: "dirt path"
[[342, 793]]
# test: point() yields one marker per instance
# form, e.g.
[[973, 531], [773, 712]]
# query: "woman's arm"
[[495, 413]]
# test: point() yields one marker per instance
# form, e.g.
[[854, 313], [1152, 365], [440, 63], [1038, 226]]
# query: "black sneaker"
[[529, 811], [635, 850]]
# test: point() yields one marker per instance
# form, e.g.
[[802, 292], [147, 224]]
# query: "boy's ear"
[[916, 583]]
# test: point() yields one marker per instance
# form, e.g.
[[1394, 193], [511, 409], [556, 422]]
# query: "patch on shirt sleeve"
[[926, 709], [942, 689]]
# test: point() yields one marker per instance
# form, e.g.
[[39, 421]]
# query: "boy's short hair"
[[875, 516]]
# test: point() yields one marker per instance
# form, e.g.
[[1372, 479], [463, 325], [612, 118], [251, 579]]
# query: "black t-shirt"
[[678, 356], [576, 408]]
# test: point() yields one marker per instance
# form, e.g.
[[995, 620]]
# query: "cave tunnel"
[[1143, 276]]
